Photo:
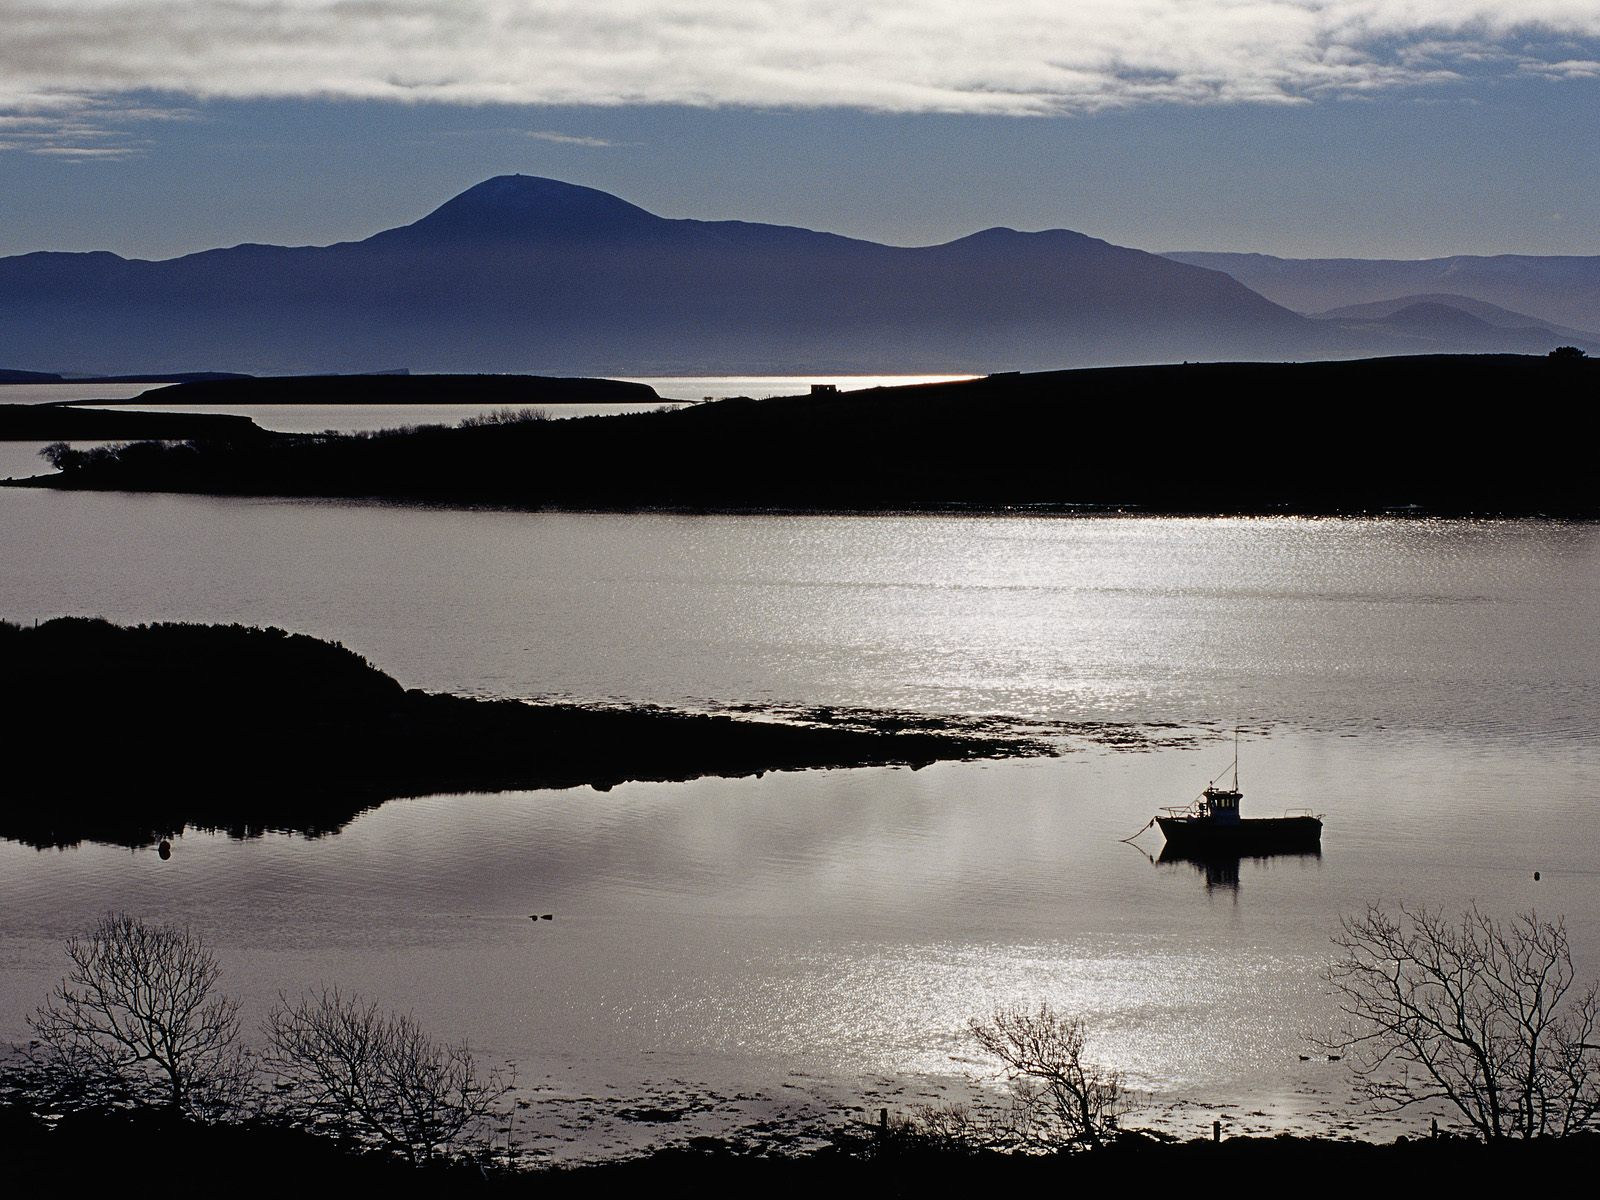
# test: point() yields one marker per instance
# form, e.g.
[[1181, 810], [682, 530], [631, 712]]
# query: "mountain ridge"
[[528, 274]]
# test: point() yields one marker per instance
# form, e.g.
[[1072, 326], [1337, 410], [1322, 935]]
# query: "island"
[[504, 391], [68, 423]]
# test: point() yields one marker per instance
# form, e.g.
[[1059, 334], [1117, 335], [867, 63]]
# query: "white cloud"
[[1569, 68], [568, 139], [84, 153], [1017, 57]]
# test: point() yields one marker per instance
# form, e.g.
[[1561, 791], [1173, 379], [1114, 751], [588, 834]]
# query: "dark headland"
[[66, 423], [1446, 435], [127, 734]]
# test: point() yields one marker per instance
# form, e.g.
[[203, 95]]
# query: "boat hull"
[[1259, 835]]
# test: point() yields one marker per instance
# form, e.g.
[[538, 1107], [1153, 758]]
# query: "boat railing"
[[1302, 812]]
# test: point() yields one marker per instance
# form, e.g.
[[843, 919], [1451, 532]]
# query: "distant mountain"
[[1431, 323], [1560, 290], [1489, 314], [528, 274]]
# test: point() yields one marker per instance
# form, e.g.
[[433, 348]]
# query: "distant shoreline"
[[1393, 436]]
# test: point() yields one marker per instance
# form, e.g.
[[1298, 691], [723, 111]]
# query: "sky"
[[1370, 128]]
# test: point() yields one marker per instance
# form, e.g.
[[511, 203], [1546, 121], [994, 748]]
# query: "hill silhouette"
[[1491, 314], [1358, 436], [530, 274], [1431, 323]]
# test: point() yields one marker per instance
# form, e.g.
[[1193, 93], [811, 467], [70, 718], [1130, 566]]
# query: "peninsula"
[[1421, 434], [133, 733]]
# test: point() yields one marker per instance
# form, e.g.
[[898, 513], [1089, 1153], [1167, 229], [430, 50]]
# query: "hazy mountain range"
[[1558, 293], [529, 274]]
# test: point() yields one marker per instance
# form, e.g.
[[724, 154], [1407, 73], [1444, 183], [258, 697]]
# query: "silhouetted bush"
[[506, 416]]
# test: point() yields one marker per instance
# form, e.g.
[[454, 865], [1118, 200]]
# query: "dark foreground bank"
[[129, 734], [114, 1150], [1448, 435]]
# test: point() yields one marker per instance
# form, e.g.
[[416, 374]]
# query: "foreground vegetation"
[[1330, 437], [139, 1046], [134, 732], [89, 1150]]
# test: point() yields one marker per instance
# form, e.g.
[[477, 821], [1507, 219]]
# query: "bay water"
[[781, 948]]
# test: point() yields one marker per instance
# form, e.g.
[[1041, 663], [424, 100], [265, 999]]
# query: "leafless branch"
[[377, 1076], [1480, 1014], [138, 1018], [1059, 1097]]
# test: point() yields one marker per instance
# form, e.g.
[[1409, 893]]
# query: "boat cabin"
[[1221, 805]]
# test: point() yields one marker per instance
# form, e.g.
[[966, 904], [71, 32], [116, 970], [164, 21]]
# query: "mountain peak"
[[522, 206]]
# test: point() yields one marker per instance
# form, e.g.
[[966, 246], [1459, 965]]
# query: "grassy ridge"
[[1448, 435]]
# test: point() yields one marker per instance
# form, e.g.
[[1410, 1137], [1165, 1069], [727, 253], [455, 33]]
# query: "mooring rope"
[[1142, 828]]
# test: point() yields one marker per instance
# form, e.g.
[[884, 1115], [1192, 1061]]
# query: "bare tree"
[[377, 1076], [1485, 1016], [139, 1020], [1060, 1097]]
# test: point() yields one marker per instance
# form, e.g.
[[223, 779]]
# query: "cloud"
[[568, 139], [54, 126], [1011, 57], [84, 153], [1570, 68]]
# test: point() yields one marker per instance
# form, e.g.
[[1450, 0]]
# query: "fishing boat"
[[1212, 824]]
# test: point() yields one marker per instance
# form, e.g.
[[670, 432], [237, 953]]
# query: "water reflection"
[[1432, 685], [1222, 871]]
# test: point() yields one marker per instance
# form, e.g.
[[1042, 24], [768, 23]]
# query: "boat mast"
[[1236, 758]]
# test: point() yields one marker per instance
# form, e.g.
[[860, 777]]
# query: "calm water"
[[761, 387], [1431, 686]]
